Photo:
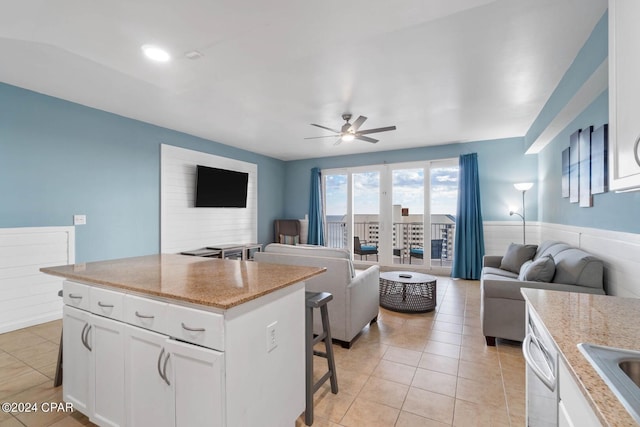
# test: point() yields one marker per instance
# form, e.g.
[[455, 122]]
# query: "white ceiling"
[[440, 70]]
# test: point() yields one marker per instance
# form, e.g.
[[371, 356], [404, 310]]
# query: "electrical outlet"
[[272, 336]]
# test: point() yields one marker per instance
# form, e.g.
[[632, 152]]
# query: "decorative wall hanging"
[[574, 167], [600, 160], [585, 165], [565, 172], [586, 200]]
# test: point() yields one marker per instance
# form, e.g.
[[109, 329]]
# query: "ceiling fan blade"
[[324, 127], [326, 136], [338, 141], [356, 125], [366, 138], [376, 130]]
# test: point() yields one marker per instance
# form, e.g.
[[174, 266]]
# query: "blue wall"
[[58, 159], [610, 211], [501, 163]]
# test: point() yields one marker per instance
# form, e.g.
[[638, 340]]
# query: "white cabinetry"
[[573, 410], [624, 85], [186, 363], [135, 361], [160, 386], [93, 368], [77, 357], [147, 393]]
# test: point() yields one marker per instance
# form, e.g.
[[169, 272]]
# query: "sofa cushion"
[[540, 270], [312, 250], [576, 267], [498, 272], [516, 256]]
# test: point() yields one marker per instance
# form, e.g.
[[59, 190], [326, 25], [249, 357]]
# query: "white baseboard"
[[32, 321]]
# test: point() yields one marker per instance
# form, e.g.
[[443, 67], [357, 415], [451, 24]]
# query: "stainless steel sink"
[[632, 369], [620, 369]]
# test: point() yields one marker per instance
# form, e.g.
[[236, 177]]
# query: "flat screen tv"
[[220, 188]]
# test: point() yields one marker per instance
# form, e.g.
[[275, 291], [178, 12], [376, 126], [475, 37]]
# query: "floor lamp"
[[522, 186]]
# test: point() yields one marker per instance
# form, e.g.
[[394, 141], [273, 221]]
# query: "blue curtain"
[[469, 243], [316, 218]]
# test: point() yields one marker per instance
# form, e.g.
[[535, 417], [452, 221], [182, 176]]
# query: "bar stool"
[[317, 300], [57, 380]]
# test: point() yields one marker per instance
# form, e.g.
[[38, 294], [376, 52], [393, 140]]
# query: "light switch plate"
[[79, 219]]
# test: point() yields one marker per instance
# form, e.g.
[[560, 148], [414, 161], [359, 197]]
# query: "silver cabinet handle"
[[164, 369], [75, 296], [159, 368], [550, 382], [87, 338], [144, 316], [84, 336], [185, 327], [101, 304], [84, 328]]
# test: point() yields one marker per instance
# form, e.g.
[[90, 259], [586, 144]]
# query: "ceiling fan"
[[350, 131]]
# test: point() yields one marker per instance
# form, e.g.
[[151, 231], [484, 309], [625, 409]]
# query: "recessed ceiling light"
[[155, 53]]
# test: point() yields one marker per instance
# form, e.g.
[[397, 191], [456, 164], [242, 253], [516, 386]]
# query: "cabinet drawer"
[[196, 326], [146, 313], [75, 295], [107, 303]]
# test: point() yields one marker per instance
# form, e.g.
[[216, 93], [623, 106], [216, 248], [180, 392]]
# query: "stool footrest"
[[322, 380], [320, 353], [319, 338]]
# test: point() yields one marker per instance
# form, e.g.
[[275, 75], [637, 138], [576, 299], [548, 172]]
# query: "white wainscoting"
[[499, 234], [184, 227], [27, 296], [619, 251]]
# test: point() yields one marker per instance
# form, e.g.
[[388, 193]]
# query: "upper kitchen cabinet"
[[624, 94]]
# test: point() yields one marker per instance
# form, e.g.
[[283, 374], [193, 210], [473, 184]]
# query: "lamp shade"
[[523, 186]]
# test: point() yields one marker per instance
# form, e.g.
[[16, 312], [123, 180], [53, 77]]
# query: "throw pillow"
[[516, 256], [523, 270], [540, 270], [289, 240]]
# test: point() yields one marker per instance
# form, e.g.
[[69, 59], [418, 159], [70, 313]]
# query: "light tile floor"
[[430, 369], [405, 370]]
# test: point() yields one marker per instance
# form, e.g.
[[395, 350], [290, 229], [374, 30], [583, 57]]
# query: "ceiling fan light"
[[348, 137], [155, 53]]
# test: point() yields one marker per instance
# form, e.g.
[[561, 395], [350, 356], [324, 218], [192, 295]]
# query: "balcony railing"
[[406, 236]]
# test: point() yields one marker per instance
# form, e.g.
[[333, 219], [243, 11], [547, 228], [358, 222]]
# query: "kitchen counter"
[[210, 282], [573, 318]]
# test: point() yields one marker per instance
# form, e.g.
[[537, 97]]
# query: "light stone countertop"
[[573, 318], [206, 281]]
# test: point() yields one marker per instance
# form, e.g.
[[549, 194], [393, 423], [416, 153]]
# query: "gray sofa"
[[355, 292], [502, 308]]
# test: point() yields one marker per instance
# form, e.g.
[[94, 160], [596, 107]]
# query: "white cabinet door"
[[624, 86], [197, 378], [149, 397], [106, 339], [76, 362]]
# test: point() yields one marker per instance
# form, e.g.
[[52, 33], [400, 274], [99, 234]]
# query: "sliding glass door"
[[408, 196], [393, 214]]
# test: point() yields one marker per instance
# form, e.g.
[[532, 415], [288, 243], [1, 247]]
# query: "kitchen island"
[[572, 318], [173, 340]]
